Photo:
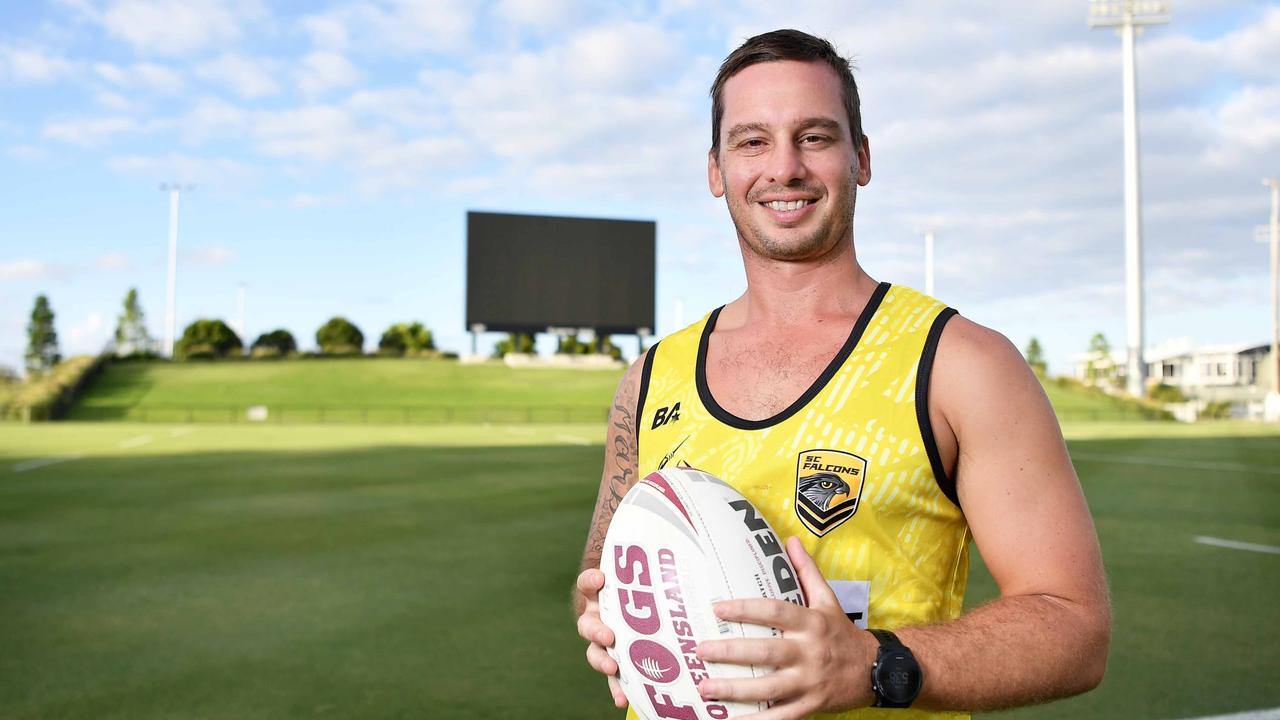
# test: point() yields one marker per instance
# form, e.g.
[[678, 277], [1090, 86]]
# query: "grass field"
[[385, 390], [216, 571]]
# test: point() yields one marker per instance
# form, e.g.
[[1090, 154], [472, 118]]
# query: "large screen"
[[528, 273]]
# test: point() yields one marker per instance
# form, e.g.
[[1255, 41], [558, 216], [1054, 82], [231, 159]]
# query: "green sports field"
[[218, 571]]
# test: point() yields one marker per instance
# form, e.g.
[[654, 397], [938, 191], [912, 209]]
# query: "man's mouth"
[[787, 205]]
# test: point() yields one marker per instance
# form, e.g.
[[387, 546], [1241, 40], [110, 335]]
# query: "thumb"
[[817, 592]]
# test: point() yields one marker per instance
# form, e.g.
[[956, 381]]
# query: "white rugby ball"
[[680, 541]]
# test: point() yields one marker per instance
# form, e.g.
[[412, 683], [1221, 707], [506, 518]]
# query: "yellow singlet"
[[851, 467]]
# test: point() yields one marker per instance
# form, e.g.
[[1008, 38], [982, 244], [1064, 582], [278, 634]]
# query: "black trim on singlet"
[[728, 418], [645, 371], [946, 483]]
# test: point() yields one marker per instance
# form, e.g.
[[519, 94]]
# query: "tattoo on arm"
[[620, 469]]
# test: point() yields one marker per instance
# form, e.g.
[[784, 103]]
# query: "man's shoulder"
[[977, 368]]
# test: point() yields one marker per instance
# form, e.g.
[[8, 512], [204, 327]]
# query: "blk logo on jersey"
[[666, 415], [828, 488]]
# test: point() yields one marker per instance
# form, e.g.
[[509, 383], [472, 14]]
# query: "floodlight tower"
[[170, 312], [1274, 185], [1128, 16]]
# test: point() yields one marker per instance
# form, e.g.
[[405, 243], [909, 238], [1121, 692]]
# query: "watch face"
[[899, 677]]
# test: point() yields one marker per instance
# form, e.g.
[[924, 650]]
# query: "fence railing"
[[346, 414]]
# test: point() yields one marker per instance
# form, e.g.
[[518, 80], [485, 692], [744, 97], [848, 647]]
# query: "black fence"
[[347, 414]]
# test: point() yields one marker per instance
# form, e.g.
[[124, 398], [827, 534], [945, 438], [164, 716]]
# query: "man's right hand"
[[596, 633]]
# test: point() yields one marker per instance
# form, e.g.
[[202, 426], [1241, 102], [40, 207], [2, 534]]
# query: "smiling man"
[[874, 425]]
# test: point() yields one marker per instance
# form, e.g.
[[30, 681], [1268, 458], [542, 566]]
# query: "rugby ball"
[[680, 541]]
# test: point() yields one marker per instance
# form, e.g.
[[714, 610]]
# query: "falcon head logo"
[[820, 488], [828, 487]]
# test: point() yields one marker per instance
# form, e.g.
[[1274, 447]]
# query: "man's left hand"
[[823, 661]]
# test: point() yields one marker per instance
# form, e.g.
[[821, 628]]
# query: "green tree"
[[571, 345], [411, 337], [514, 343], [206, 338], [1099, 368], [274, 343], [42, 339], [1035, 357], [131, 327], [340, 336]]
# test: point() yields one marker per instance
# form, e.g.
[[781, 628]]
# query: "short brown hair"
[[786, 45]]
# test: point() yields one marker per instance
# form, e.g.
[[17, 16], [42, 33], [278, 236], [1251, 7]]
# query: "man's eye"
[[814, 139], [752, 143]]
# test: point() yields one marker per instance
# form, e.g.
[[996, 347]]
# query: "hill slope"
[[410, 390]]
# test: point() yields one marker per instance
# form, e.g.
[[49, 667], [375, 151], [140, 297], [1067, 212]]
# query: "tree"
[[1035, 357], [131, 327], [276, 342], [571, 345], [42, 339], [404, 338], [206, 338], [340, 336], [1099, 366], [514, 343]]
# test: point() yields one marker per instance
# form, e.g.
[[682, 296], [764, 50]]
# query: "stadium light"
[[1274, 185], [241, 291], [1128, 16], [170, 312]]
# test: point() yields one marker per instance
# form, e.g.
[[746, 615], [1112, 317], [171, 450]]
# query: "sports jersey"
[[851, 467]]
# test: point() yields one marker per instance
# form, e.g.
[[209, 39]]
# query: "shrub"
[[340, 336], [280, 341], [48, 396], [1162, 393], [207, 339]]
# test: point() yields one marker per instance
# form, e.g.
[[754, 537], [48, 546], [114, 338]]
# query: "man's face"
[[787, 165]]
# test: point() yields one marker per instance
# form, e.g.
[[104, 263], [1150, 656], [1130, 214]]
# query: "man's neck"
[[786, 293]]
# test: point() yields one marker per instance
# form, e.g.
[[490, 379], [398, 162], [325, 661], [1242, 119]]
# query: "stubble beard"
[[835, 225]]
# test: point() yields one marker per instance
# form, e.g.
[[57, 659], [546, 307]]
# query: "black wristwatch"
[[896, 678]]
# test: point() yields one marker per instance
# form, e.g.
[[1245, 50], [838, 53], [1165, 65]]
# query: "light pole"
[[240, 330], [1128, 16], [1274, 185], [170, 312]]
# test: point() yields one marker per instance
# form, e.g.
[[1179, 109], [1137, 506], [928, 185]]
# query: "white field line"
[[180, 431], [1237, 545], [1191, 464], [573, 439], [41, 462], [134, 442], [1272, 714]]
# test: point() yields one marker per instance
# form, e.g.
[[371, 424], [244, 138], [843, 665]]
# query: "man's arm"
[[620, 461], [1048, 634], [1045, 637]]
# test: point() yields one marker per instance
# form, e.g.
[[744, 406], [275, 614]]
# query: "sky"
[[335, 148]]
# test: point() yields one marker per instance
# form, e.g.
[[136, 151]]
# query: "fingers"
[[589, 583], [761, 611], [816, 590], [789, 710], [593, 630], [619, 698], [772, 687], [771, 652], [600, 661]]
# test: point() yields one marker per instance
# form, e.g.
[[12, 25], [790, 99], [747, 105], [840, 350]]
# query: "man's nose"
[[786, 164]]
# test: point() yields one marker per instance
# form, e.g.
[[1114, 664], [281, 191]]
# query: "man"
[[861, 418]]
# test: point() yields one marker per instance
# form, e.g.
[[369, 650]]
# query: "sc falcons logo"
[[828, 488]]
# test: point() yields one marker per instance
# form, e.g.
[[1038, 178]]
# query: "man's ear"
[[715, 180], [864, 161]]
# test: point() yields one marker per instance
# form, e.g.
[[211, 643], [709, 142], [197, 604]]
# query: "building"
[[1233, 374]]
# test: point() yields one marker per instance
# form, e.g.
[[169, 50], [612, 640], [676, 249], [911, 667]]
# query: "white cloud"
[[87, 132], [406, 107], [247, 77], [1255, 49], [395, 26], [323, 71], [87, 334], [198, 170], [145, 76], [26, 269], [112, 261], [541, 14], [177, 27], [32, 65], [211, 256]]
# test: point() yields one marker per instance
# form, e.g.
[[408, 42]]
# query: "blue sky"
[[336, 147]]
